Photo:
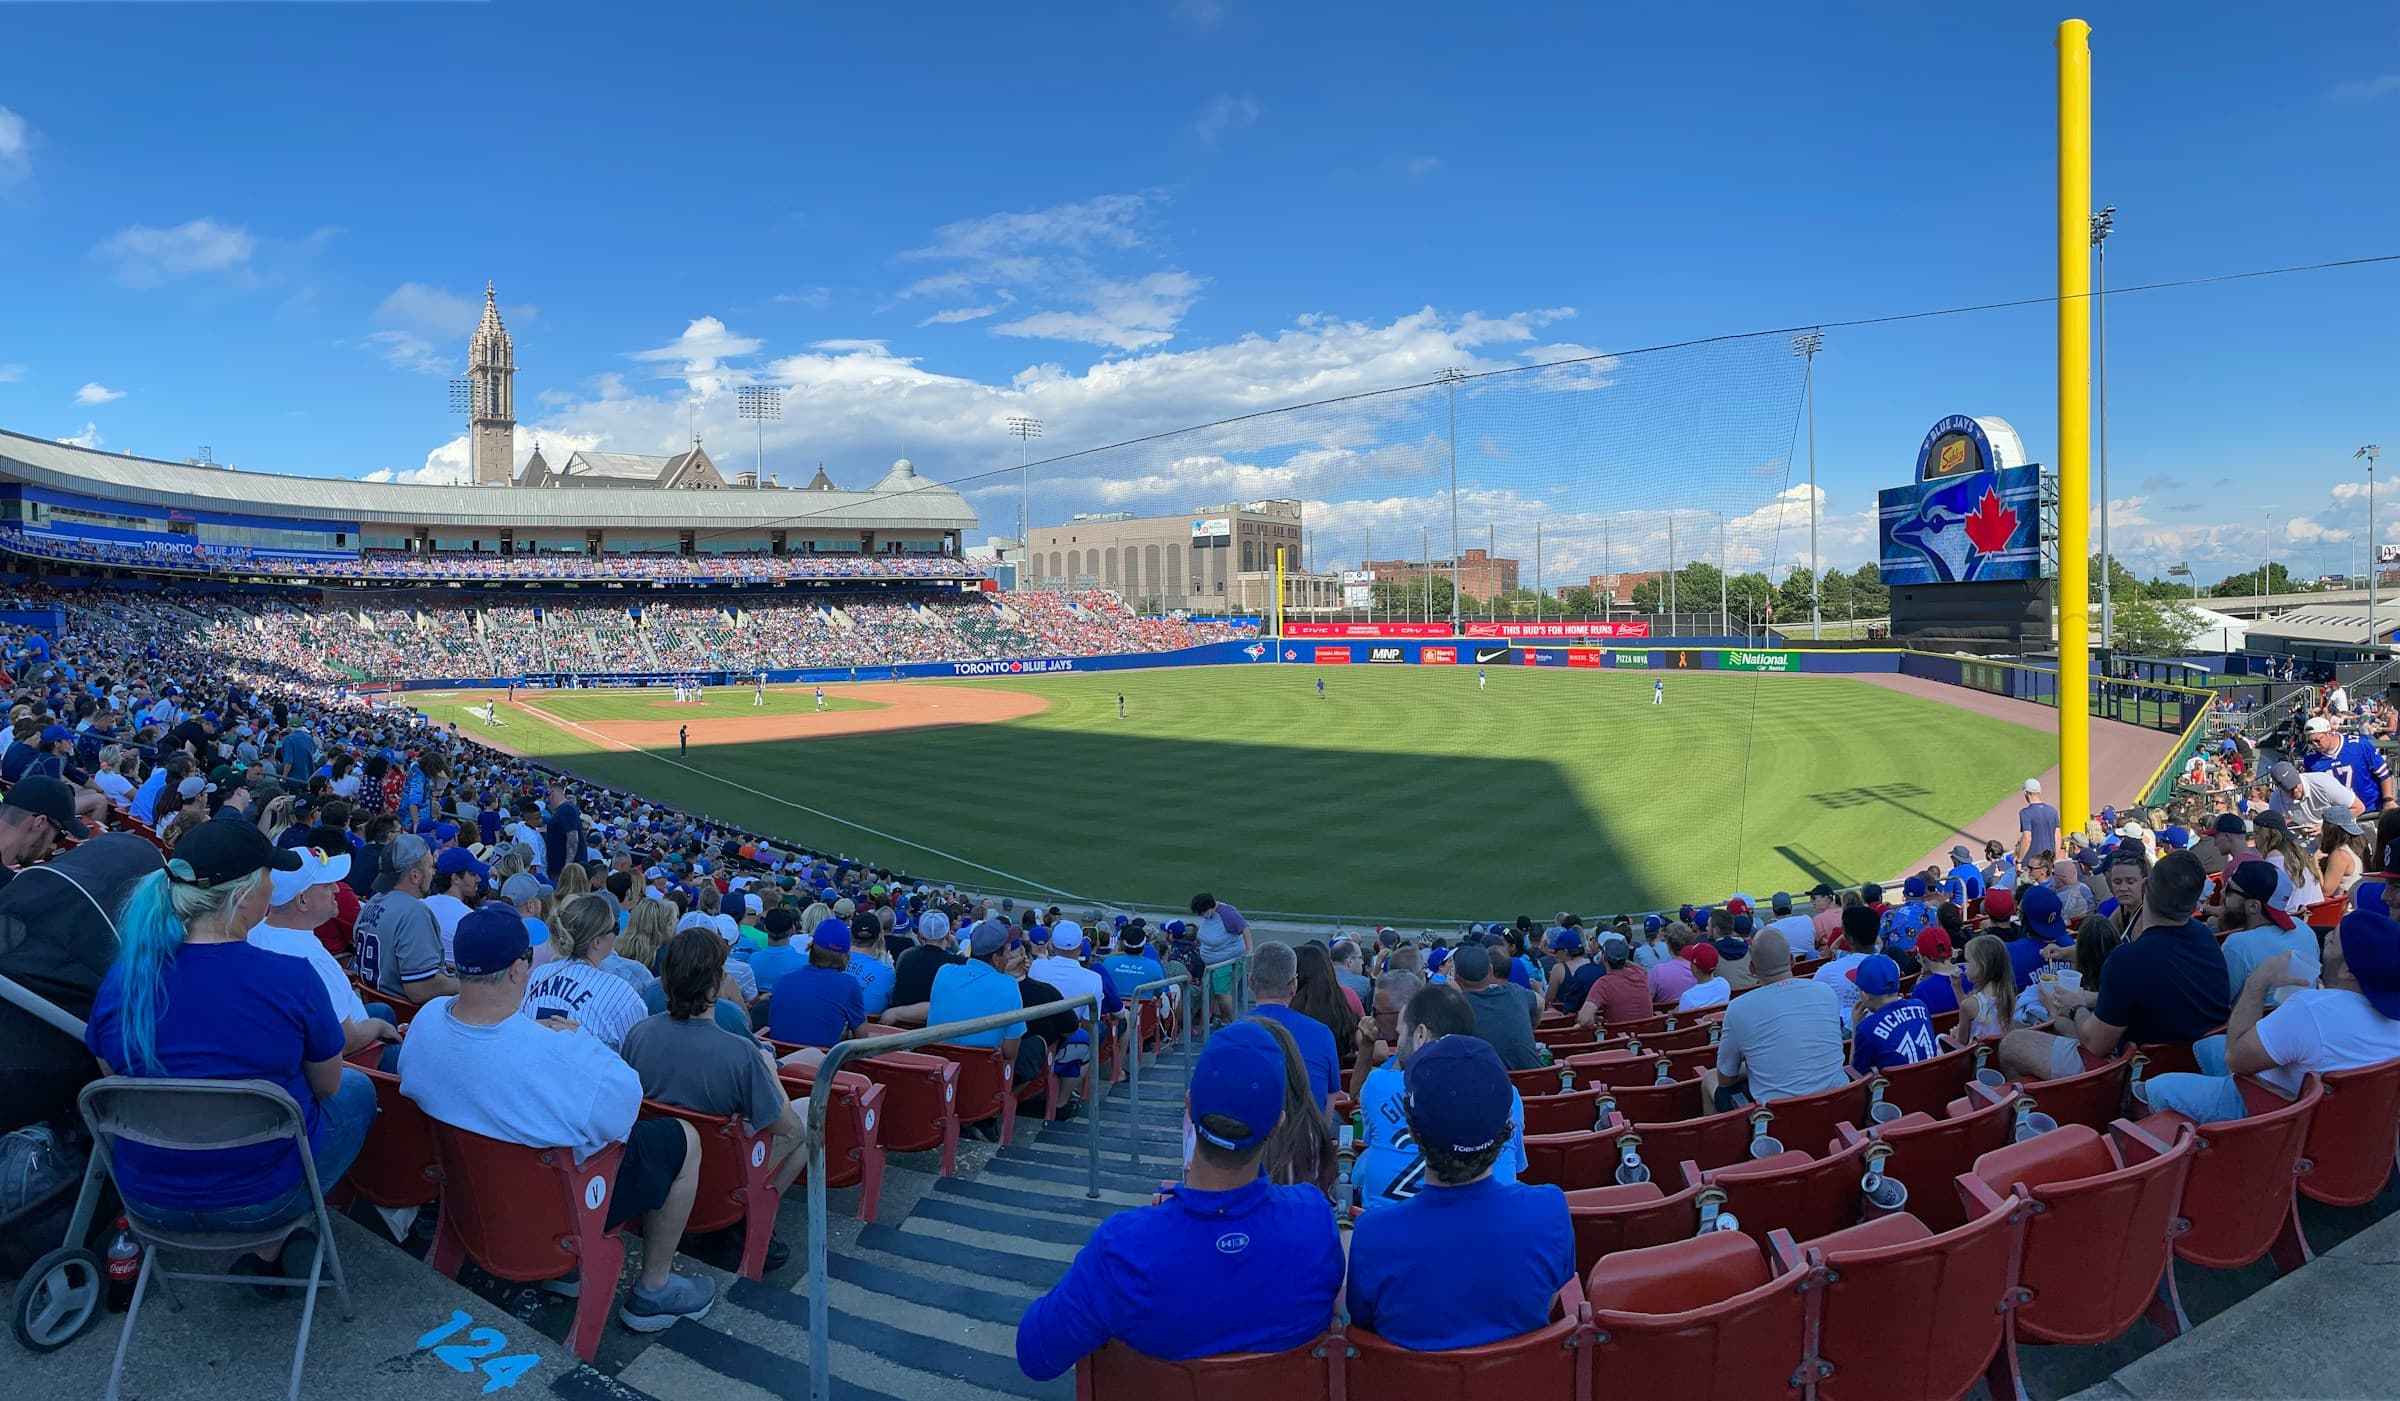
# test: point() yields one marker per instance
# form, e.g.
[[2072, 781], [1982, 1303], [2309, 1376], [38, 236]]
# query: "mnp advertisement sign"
[[1569, 629], [1363, 630], [1760, 661], [1387, 654]]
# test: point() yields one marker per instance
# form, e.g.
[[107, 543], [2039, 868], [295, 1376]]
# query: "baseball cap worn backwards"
[[1458, 1094]]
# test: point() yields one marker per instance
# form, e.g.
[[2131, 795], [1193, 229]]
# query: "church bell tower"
[[491, 372]]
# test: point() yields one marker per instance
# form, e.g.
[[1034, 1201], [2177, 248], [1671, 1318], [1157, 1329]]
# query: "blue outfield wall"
[[1711, 655]]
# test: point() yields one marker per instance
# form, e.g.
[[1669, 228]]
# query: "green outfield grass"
[[1403, 794]]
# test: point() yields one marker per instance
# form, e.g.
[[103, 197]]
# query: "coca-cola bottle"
[[124, 1266]]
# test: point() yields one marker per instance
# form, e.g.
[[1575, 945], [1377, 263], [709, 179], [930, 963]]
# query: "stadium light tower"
[[762, 404], [1450, 377], [1025, 428], [2374, 561], [2103, 223], [1806, 347]]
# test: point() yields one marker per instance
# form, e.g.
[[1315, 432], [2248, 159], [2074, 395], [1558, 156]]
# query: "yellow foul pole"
[[2074, 421]]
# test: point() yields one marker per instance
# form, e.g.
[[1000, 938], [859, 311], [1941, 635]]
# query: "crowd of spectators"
[[443, 637], [466, 566]]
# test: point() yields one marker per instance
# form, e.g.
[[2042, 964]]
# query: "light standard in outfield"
[[761, 404], [1025, 429]]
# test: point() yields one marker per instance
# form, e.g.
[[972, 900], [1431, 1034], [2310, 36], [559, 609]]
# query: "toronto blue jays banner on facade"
[[1974, 513]]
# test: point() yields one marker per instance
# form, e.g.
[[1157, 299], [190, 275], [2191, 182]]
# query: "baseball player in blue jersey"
[[1658, 691]]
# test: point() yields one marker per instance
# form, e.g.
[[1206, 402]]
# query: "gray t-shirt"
[[698, 1065], [399, 941], [2041, 820], [1504, 1016], [1787, 1038]]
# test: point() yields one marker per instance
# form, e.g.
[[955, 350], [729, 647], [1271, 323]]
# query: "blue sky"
[[266, 229]]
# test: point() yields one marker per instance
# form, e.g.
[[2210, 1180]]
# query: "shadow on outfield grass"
[[1149, 820]]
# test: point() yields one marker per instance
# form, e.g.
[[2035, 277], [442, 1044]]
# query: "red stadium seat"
[[1904, 1311], [395, 1168], [1570, 1160], [853, 1131], [1543, 1080], [1928, 1154], [1697, 1320], [920, 1103], [986, 1085], [1556, 1034], [1556, 1113], [2093, 1098], [2241, 1200], [1791, 1190], [1118, 1373], [2351, 1137], [1641, 1028], [1806, 1120], [1683, 1038], [1551, 1361], [403, 1010], [530, 1214], [1711, 1140], [1660, 1103], [1614, 1068], [733, 1189], [2098, 1239], [1632, 1217], [1928, 1085]]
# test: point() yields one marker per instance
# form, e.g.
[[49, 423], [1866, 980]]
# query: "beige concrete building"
[[1165, 563]]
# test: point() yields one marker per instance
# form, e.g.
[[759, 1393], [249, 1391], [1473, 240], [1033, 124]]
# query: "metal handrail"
[[820, 1353], [1179, 977]]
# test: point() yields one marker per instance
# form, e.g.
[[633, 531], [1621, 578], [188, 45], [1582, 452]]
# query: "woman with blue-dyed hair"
[[190, 997]]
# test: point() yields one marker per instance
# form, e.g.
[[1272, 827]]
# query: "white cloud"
[[94, 392], [10, 374], [1416, 167], [1122, 315], [16, 147], [88, 438], [956, 315], [142, 256], [410, 351], [446, 465], [1225, 112], [2367, 90], [700, 354], [1073, 263]]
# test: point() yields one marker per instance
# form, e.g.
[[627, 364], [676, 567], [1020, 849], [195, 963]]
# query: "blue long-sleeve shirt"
[[1455, 1267], [1250, 1270]]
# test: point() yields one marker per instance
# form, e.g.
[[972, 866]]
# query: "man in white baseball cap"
[[2037, 823], [299, 901]]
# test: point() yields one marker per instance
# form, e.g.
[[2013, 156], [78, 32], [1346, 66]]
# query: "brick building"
[[1480, 574]]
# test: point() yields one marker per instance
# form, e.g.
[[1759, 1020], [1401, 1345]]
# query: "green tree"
[[1791, 597], [1872, 599], [1578, 602], [1412, 598], [2246, 583], [2153, 629]]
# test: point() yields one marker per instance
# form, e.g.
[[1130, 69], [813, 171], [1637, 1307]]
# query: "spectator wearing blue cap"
[[477, 1063], [1650, 950], [1470, 1258], [980, 986], [2350, 1021], [1892, 1029], [1902, 922], [1965, 880], [1860, 931], [457, 885], [1621, 992], [822, 1003], [1226, 1262]]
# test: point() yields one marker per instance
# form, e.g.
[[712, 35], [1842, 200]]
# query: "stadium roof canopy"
[[901, 501]]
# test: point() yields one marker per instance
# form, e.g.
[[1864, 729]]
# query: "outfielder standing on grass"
[[758, 692], [1120, 705], [820, 698]]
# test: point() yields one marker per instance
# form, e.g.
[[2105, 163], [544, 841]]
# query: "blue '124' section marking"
[[500, 1372]]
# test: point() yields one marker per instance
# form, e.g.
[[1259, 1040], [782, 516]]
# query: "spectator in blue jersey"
[[1938, 978], [869, 963], [1391, 1166], [1225, 1262], [820, 1004], [1965, 881], [2354, 760], [1902, 923], [1470, 1259], [2043, 922], [1892, 1029], [1274, 977]]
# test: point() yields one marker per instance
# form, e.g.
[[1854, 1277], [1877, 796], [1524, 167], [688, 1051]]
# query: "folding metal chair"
[[193, 1116]]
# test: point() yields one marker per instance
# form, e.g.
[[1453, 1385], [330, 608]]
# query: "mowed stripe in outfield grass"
[[1403, 793], [528, 736]]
